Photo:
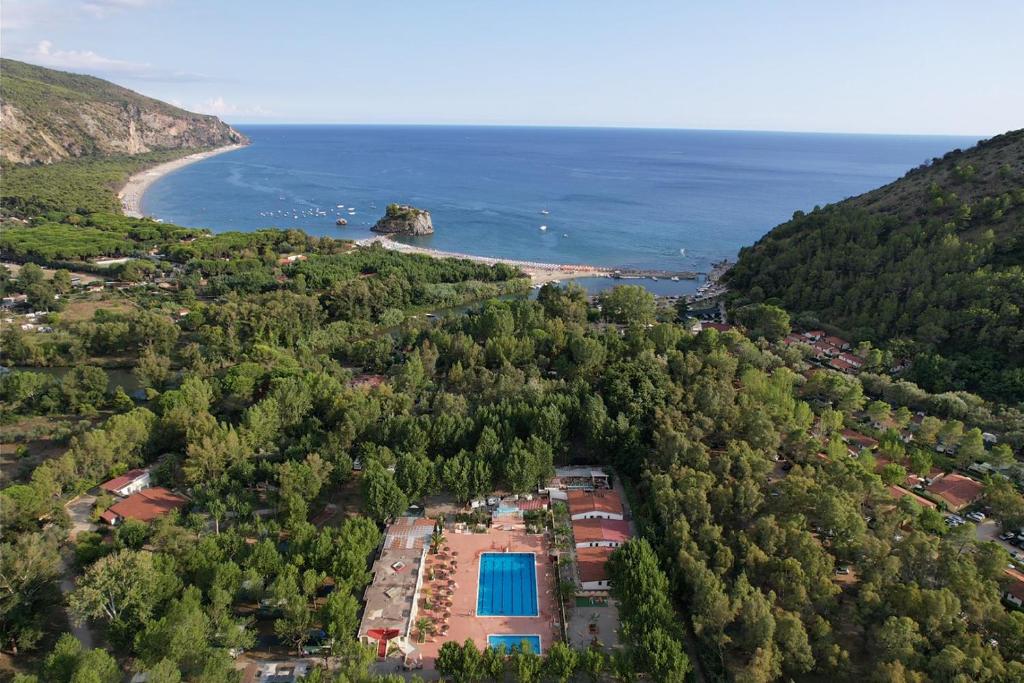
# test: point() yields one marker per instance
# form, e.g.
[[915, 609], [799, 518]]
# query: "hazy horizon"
[[916, 68]]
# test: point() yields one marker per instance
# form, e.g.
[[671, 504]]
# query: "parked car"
[[1007, 536], [317, 643], [976, 517]]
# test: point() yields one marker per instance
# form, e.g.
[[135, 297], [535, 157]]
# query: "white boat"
[[543, 227], [682, 252], [544, 212], [565, 234], [675, 278]]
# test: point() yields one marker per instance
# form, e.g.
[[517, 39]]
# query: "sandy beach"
[[539, 273], [131, 194]]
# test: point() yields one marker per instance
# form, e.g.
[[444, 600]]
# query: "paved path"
[[67, 584]]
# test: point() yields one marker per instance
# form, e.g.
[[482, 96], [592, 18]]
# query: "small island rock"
[[402, 219]]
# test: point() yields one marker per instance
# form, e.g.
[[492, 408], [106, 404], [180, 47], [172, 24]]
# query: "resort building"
[[600, 533], [956, 491], [128, 483], [595, 505], [581, 478], [591, 563], [144, 506], [1013, 591], [397, 575]]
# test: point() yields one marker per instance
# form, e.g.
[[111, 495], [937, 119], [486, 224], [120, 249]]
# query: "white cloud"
[[83, 60], [220, 107], [87, 61], [102, 8], [24, 14]]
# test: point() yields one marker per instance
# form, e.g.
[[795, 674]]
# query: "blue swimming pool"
[[510, 642], [507, 585]]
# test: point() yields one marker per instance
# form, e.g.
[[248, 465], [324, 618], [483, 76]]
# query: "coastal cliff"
[[47, 116], [401, 219]]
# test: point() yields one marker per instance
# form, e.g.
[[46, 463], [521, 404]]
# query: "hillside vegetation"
[[930, 265], [50, 116]]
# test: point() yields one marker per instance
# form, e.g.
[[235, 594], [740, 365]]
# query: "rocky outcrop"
[[48, 116], [401, 219]]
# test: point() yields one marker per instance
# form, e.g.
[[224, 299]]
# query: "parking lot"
[[990, 531]]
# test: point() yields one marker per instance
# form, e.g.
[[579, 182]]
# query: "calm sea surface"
[[666, 199]]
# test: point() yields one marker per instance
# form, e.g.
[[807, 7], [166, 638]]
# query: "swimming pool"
[[507, 585], [510, 642]]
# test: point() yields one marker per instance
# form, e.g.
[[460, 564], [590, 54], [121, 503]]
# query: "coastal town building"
[[1013, 588], [128, 483], [595, 505], [584, 478], [604, 533], [144, 506], [592, 565], [956, 490]]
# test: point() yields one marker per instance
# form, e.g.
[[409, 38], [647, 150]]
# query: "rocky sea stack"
[[402, 219]]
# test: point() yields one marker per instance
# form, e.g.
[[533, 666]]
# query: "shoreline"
[[131, 194], [540, 273]]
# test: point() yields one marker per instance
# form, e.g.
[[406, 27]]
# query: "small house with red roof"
[[1013, 588], [595, 505], [128, 483], [144, 506], [592, 565], [600, 533], [956, 490]]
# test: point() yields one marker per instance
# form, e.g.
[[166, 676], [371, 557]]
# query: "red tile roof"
[[591, 563], [594, 501], [1015, 586], [592, 530], [862, 440], [721, 327], [898, 493], [118, 483], [957, 490], [146, 505], [840, 364], [837, 342]]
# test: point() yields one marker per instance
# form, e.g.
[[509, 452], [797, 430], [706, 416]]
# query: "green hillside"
[[930, 265], [50, 116]]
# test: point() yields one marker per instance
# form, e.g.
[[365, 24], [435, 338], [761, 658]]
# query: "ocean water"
[[659, 199]]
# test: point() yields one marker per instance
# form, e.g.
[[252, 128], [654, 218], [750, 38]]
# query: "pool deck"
[[463, 622]]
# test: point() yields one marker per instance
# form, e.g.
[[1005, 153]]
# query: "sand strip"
[[539, 273], [131, 194]]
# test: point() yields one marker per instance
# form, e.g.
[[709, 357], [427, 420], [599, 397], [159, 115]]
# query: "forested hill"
[[932, 265], [48, 116]]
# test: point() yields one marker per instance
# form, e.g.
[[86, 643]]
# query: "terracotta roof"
[[862, 440], [957, 490], [146, 505], [721, 327], [840, 364], [409, 533], [1015, 585], [590, 530], [118, 483], [591, 563], [594, 501], [837, 342], [898, 493]]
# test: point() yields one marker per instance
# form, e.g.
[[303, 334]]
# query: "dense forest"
[[250, 407], [931, 266]]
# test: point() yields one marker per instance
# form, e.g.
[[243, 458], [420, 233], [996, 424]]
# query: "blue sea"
[[659, 199]]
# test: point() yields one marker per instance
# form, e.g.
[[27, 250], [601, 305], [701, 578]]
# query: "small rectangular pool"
[[507, 585], [509, 642]]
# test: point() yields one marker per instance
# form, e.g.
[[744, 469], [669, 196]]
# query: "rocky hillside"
[[934, 260], [48, 116]]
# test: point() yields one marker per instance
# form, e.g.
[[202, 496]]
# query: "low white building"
[[128, 483]]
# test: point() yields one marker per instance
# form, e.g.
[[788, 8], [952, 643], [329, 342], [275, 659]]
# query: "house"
[[144, 506], [1013, 592], [814, 335], [898, 493], [600, 533], [595, 505], [857, 442], [956, 490], [585, 478], [841, 365], [390, 598], [720, 327], [837, 342], [128, 483], [591, 563], [851, 359], [275, 672]]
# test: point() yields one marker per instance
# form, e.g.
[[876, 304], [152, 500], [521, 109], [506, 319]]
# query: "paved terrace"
[[453, 591]]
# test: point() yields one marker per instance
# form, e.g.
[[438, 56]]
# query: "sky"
[[872, 66]]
